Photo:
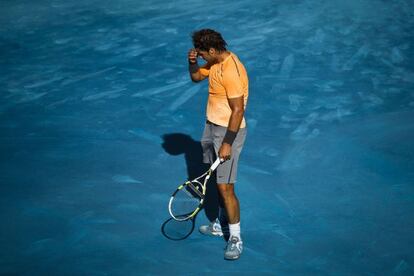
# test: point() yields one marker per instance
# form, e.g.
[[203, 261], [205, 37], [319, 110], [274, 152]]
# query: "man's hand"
[[225, 151], [192, 56]]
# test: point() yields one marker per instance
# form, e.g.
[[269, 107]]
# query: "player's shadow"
[[179, 143]]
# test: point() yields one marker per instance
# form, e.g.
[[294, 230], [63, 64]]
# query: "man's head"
[[209, 44]]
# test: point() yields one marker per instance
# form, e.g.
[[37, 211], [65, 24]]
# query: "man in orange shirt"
[[225, 129]]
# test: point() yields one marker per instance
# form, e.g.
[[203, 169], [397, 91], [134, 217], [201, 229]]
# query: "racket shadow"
[[177, 230], [179, 143]]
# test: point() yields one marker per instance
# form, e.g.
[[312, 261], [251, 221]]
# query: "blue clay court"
[[100, 123]]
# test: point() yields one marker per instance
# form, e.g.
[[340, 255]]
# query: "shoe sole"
[[231, 259], [212, 234]]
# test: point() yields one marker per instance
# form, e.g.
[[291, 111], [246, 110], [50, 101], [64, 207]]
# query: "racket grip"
[[215, 164]]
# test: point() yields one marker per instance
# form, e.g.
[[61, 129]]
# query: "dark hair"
[[206, 38]]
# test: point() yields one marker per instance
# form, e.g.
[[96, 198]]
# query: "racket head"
[[187, 200]]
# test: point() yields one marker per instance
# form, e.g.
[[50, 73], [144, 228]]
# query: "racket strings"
[[195, 188], [186, 200]]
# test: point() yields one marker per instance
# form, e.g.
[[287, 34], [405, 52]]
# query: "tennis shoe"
[[234, 248], [213, 229]]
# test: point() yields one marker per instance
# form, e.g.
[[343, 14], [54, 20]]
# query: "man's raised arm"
[[193, 67]]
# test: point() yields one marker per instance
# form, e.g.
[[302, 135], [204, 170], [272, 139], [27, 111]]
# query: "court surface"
[[99, 123]]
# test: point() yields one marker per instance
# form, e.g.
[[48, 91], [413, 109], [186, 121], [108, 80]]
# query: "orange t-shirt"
[[227, 79]]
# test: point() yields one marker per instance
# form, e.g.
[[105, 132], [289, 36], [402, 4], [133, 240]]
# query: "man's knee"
[[226, 190]]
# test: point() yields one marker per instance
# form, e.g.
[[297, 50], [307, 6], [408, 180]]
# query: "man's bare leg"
[[230, 202]]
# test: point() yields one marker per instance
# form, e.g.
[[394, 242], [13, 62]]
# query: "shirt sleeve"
[[232, 83], [204, 70]]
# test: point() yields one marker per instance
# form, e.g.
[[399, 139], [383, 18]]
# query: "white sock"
[[235, 230]]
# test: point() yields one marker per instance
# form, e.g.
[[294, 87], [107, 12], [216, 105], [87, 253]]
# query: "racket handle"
[[216, 164]]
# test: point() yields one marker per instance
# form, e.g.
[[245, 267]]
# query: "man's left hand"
[[225, 151]]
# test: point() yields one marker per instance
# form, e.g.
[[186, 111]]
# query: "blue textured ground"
[[88, 89]]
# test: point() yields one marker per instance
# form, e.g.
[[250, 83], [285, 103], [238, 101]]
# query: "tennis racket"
[[188, 199]]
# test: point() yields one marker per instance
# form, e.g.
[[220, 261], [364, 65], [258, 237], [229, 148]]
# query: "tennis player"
[[225, 128]]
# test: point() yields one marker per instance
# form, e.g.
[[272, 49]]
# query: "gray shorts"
[[211, 141]]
